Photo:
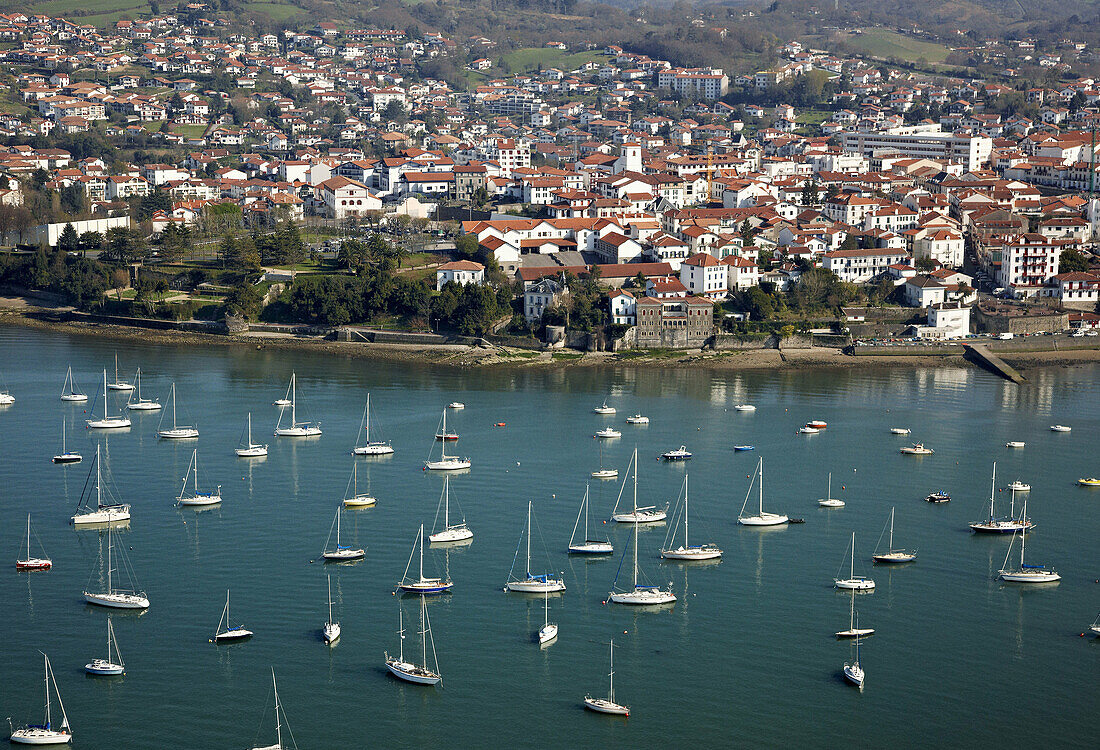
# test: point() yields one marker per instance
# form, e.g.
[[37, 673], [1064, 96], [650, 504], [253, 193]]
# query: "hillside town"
[[697, 200]]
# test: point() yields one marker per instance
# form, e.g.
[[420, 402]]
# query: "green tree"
[[69, 241], [1072, 260], [810, 194], [123, 245], [245, 300]]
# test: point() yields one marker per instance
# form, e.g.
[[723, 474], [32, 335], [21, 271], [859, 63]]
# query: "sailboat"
[[761, 518], [331, 631], [853, 671], [994, 525], [119, 384], [248, 449], [280, 717], [892, 555], [418, 674], [1026, 573], [549, 630], [113, 664], [197, 498], [445, 462], [370, 447], [112, 597], [607, 705], [108, 423], [853, 582], [231, 632], [141, 404], [101, 513], [441, 431], [422, 585], [352, 498], [69, 391], [285, 400], [458, 532], [341, 552], [639, 595], [829, 501], [1095, 627], [646, 514], [177, 432], [603, 473], [44, 733], [852, 630], [296, 428], [686, 551], [531, 583], [26, 562], [66, 456], [589, 546]]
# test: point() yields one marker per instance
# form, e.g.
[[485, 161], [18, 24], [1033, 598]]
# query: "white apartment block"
[[859, 266], [922, 142], [704, 276]]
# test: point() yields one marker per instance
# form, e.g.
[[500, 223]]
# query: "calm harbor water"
[[745, 657]]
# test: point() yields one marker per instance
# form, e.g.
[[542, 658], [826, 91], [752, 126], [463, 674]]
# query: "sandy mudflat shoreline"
[[18, 313]]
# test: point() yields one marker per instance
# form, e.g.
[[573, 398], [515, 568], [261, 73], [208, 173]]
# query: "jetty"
[[989, 360]]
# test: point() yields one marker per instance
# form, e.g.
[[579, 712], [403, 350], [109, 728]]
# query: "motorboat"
[[1060, 428], [1015, 444], [679, 454], [916, 449], [456, 405], [608, 432], [808, 430], [605, 474], [637, 419], [1019, 486], [940, 496], [900, 430], [744, 447], [819, 424], [1089, 482], [744, 407], [604, 409]]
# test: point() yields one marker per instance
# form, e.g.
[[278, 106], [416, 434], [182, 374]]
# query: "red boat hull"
[[33, 566]]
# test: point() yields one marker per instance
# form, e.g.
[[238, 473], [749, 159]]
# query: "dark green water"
[[745, 658]]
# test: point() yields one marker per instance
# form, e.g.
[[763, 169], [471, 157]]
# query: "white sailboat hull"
[[235, 634], [178, 433], [75, 397], [331, 632], [200, 499], [252, 451], [360, 501], [68, 458], [894, 557], [111, 423], [604, 410], [452, 534], [120, 386], [643, 596], [536, 586], [281, 402], [592, 548], [703, 552], [854, 674], [744, 407], [1040, 576], [117, 600], [39, 736], [547, 633], [340, 555], [297, 431], [403, 670], [641, 516], [450, 464], [854, 584], [1001, 527], [763, 519], [854, 632], [373, 449], [606, 474], [830, 502], [604, 706], [104, 667], [144, 406], [111, 514]]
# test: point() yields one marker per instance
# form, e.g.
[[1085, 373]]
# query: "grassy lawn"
[[883, 43], [276, 11], [524, 60], [190, 131], [813, 117]]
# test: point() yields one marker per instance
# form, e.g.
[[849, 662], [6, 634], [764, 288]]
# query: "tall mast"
[[636, 549], [138, 379], [891, 529], [329, 598], [62, 437], [446, 502], [992, 489], [28, 536], [249, 429], [46, 677], [293, 399], [528, 538], [585, 509], [366, 420], [423, 636], [685, 511], [110, 588], [105, 386], [611, 692], [400, 634], [173, 406], [278, 720], [98, 492], [852, 572], [420, 542], [761, 486]]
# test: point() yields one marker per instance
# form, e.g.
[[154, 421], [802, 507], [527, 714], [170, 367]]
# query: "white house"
[[624, 307], [945, 246], [946, 321], [461, 272], [342, 197], [741, 273], [923, 291], [705, 276], [858, 266], [541, 295]]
